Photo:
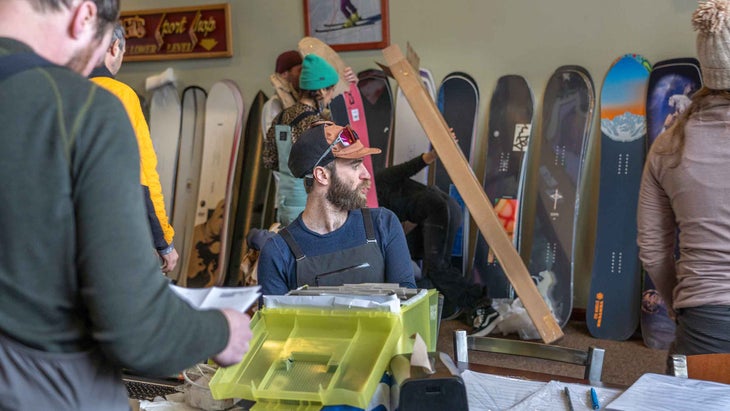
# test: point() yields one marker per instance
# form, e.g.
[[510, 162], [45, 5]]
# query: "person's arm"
[[349, 75], [656, 233], [276, 268], [397, 173], [135, 318], [398, 266]]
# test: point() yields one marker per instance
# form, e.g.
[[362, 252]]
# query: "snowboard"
[[510, 127], [377, 101], [409, 139], [671, 85], [223, 112], [251, 187], [347, 108], [614, 300], [458, 102], [165, 134], [233, 184], [567, 115], [187, 177]]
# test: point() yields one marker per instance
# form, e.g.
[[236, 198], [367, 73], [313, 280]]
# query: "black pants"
[[438, 218]]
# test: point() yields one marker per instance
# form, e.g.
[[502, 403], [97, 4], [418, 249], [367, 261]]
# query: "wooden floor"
[[624, 363]]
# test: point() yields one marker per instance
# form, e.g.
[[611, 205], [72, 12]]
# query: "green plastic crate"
[[306, 357]]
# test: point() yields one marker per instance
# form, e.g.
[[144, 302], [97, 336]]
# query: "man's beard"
[[344, 198]]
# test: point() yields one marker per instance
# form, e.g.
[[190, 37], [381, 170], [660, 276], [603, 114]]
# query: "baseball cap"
[[323, 143], [287, 60]]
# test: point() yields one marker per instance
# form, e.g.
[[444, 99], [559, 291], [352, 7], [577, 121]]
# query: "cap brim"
[[356, 150]]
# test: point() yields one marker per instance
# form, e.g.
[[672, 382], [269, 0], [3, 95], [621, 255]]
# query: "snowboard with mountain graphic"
[[671, 86], [567, 115], [614, 301]]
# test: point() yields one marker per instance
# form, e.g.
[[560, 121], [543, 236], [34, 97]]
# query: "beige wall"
[[485, 38]]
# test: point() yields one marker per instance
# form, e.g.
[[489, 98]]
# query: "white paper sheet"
[[487, 392], [655, 392], [237, 298]]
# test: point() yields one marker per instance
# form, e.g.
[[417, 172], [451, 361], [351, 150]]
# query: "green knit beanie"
[[317, 73]]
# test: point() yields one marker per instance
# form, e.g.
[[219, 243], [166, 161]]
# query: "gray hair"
[[118, 34]]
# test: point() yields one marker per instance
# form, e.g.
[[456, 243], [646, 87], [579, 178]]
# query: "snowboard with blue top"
[[614, 299]]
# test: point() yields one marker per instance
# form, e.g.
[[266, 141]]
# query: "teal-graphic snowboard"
[[567, 114], [614, 299], [510, 127], [458, 101], [671, 85]]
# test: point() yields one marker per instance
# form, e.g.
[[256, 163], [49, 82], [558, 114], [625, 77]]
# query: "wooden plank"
[[472, 192]]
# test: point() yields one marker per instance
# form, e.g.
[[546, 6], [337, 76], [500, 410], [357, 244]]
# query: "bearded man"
[[335, 240]]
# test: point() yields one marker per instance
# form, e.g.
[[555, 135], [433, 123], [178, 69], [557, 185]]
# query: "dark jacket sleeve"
[[397, 173], [391, 181]]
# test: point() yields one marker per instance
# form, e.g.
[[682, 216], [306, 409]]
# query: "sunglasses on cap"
[[345, 137]]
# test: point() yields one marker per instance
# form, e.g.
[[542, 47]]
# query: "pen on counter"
[[570, 400], [594, 399]]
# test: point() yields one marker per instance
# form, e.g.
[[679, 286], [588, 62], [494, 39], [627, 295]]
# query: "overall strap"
[[367, 219], [15, 63], [293, 246]]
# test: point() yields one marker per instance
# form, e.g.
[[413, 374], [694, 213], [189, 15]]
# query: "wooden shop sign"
[[178, 33]]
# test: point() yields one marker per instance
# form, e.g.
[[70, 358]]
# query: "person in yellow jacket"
[[162, 231]]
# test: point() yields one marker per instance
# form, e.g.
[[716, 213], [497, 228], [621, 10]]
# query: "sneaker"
[[484, 318]]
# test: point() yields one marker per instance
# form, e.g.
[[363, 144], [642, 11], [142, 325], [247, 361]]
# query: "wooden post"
[[472, 192]]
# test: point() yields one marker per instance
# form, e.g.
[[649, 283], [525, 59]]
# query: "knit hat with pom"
[[713, 42]]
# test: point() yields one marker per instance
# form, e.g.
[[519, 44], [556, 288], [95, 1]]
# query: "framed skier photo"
[[348, 24]]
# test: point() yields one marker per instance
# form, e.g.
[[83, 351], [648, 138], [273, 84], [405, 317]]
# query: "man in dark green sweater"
[[82, 296]]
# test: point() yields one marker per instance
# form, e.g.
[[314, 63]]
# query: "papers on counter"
[[237, 298], [487, 392], [654, 392]]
